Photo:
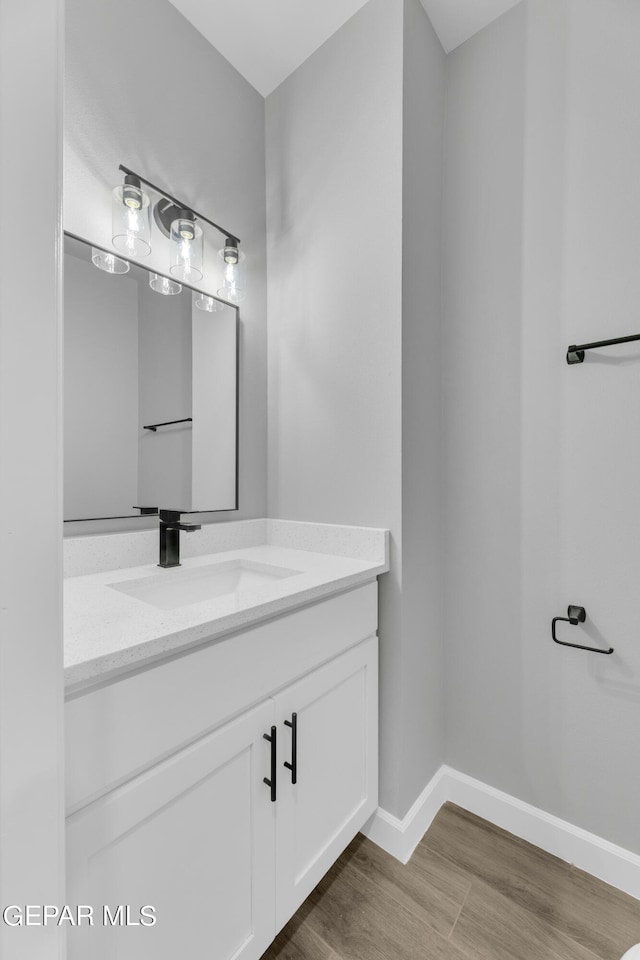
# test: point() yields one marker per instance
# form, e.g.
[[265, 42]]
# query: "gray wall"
[[539, 247], [482, 339], [422, 579], [101, 391], [199, 132], [600, 443], [31, 675], [334, 208], [338, 175], [542, 465]]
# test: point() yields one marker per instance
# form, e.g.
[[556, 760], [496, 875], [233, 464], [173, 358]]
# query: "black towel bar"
[[168, 423], [575, 615], [575, 353]]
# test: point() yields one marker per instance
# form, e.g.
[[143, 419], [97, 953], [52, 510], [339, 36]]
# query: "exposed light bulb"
[[186, 248], [130, 216], [233, 268], [133, 220]]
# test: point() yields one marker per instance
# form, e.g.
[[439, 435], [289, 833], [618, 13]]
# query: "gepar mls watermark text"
[[79, 915]]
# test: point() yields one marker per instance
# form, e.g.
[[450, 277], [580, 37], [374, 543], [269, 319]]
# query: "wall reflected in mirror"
[[135, 356]]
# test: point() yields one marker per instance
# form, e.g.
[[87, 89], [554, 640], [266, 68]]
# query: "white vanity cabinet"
[[194, 838], [336, 767], [177, 814]]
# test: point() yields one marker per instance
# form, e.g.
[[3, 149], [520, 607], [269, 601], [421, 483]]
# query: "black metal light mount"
[[231, 254], [165, 213], [169, 208], [131, 191], [575, 615], [575, 353]]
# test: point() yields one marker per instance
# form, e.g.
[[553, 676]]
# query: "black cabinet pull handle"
[[293, 766], [272, 782]]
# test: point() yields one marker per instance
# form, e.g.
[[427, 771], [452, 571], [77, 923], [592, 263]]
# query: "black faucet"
[[170, 527]]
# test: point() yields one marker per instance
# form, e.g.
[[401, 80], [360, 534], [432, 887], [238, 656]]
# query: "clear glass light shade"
[[108, 262], [208, 304], [233, 274], [163, 285], [131, 221], [186, 251]]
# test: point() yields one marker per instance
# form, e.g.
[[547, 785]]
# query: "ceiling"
[[266, 40], [456, 20]]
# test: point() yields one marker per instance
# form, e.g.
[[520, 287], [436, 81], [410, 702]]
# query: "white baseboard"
[[401, 837], [588, 852]]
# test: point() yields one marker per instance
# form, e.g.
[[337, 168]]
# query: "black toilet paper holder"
[[575, 615]]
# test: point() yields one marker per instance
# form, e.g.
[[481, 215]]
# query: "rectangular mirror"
[[150, 394]]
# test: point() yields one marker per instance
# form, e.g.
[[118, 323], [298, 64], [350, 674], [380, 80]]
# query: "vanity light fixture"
[[163, 285], [233, 288], [206, 303], [130, 218], [186, 247], [183, 226], [108, 262]]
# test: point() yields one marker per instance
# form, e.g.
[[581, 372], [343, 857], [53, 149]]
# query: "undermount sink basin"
[[182, 587]]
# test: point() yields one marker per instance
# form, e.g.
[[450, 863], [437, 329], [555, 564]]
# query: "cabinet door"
[[192, 837], [336, 791]]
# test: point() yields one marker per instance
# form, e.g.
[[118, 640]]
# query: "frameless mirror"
[[150, 392]]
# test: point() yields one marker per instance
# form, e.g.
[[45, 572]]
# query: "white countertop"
[[108, 632]]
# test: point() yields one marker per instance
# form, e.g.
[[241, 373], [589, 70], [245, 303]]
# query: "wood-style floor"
[[470, 892]]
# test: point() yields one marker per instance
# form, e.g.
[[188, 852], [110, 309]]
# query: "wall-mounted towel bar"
[[168, 423], [575, 353], [575, 615]]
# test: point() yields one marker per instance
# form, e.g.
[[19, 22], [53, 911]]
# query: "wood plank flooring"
[[470, 892]]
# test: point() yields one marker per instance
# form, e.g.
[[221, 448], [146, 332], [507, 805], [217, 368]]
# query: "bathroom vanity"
[[221, 752], [221, 713]]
